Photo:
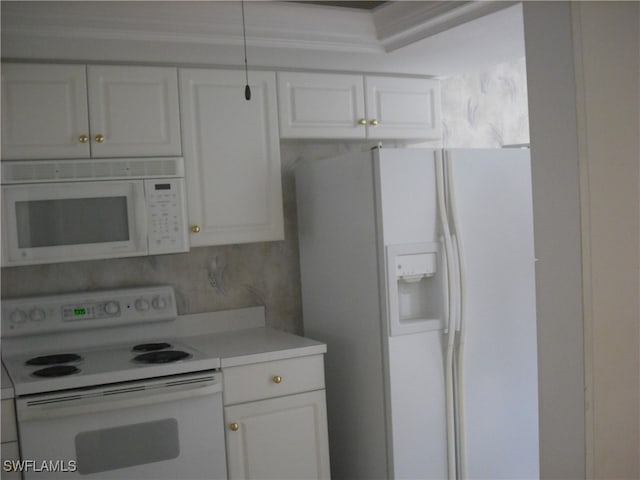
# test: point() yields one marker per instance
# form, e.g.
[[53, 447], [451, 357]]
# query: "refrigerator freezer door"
[[406, 190]]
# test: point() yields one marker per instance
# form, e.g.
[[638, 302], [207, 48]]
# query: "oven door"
[[57, 222], [167, 429]]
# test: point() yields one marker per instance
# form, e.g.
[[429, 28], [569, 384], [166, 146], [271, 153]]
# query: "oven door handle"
[[70, 406]]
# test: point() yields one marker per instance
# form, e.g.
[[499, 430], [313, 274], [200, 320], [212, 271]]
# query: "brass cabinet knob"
[[99, 138], [373, 122], [277, 379], [195, 228], [83, 138], [362, 121], [234, 427]]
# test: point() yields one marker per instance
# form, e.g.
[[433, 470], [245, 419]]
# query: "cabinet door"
[[133, 111], [232, 157], [280, 438], [318, 105], [403, 108], [44, 111]]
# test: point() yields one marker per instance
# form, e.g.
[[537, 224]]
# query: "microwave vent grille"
[[80, 170]]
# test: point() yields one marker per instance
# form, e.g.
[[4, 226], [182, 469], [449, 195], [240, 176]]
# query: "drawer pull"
[[277, 379], [234, 427]]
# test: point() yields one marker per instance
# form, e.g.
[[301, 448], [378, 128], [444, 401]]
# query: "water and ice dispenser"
[[415, 287]]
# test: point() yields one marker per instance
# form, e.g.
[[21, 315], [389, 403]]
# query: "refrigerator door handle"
[[460, 320], [451, 333]]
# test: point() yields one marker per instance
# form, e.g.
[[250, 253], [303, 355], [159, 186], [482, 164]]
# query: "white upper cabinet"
[[319, 105], [232, 157], [133, 111], [324, 105], [73, 111], [44, 111], [402, 108]]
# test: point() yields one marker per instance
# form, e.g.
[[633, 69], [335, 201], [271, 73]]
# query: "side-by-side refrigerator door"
[[411, 287], [492, 193]]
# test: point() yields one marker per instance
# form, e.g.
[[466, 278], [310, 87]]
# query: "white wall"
[[583, 80], [607, 46], [486, 108], [556, 204]]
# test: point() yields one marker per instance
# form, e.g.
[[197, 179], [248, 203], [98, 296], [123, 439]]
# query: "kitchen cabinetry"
[[276, 419], [9, 444], [232, 157], [77, 111], [323, 105]]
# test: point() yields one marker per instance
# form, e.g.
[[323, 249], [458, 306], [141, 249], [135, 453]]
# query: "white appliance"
[[105, 391], [417, 271], [66, 210]]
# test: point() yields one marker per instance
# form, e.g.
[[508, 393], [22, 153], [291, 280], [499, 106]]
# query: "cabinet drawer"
[[9, 431], [273, 379]]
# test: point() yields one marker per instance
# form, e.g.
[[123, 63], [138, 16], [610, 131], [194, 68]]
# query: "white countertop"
[[240, 337], [254, 345]]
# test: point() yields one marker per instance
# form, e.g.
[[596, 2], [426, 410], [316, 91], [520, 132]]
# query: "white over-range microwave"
[[68, 210]]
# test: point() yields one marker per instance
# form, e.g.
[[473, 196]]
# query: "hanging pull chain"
[[247, 89]]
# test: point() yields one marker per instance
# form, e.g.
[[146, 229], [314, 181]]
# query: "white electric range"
[[105, 390]]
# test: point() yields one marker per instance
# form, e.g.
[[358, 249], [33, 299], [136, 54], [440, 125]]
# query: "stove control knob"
[[18, 316], [142, 304], [159, 303], [37, 315], [111, 308]]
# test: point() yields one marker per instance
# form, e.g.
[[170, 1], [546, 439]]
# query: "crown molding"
[[399, 24], [269, 24]]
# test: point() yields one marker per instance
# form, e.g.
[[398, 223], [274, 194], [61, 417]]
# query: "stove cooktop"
[[54, 371]]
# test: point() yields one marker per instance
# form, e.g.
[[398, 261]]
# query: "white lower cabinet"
[[283, 436]]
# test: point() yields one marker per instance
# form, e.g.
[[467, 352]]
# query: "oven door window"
[[58, 222], [75, 221], [127, 446]]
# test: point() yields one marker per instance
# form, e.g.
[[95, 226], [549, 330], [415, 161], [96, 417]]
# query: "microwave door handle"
[[118, 401]]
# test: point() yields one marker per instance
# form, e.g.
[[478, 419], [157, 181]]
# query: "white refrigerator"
[[417, 269]]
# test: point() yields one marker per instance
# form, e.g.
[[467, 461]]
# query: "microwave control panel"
[[166, 216]]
